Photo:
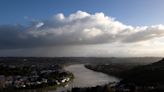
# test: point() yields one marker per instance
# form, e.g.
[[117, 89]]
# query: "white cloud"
[[75, 29], [40, 24], [59, 17]]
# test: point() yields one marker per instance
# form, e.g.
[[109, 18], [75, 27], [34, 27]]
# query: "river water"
[[83, 77], [88, 78]]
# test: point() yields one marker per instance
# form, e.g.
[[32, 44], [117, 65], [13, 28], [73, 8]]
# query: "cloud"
[[76, 29], [145, 33]]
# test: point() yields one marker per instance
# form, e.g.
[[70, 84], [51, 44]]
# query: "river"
[[87, 78], [83, 77]]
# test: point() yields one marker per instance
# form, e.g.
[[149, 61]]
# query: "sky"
[[89, 28]]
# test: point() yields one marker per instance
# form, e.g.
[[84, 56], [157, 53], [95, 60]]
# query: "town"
[[34, 76]]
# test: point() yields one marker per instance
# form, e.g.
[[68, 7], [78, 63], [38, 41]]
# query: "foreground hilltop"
[[152, 74]]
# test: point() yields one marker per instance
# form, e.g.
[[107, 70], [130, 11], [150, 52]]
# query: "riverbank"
[[110, 69], [145, 78], [32, 77]]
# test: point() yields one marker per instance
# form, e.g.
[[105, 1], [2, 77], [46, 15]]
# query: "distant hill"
[[75, 60]]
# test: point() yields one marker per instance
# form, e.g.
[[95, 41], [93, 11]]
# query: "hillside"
[[152, 74]]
